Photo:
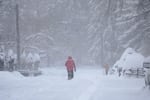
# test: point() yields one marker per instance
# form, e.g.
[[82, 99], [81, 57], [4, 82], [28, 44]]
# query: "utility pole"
[[18, 37]]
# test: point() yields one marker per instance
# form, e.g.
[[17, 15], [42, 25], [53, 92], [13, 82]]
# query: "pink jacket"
[[70, 65]]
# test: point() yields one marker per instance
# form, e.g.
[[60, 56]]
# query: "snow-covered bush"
[[29, 58], [36, 57]]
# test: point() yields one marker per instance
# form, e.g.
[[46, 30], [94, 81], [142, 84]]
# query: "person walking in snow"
[[106, 66], [70, 66]]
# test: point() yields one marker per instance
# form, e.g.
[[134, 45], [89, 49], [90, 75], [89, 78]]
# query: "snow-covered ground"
[[88, 84]]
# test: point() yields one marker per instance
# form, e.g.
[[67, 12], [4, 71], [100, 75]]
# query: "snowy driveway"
[[88, 84]]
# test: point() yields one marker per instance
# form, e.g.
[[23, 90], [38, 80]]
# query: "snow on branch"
[[35, 36]]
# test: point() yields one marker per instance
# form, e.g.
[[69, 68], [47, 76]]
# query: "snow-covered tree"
[[7, 20], [102, 30], [92, 31], [119, 25]]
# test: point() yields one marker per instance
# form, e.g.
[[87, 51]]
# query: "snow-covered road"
[[120, 88], [88, 84]]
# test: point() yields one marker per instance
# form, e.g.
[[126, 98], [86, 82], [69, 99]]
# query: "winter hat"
[[69, 57]]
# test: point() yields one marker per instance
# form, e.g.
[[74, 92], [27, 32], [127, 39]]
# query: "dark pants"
[[70, 75]]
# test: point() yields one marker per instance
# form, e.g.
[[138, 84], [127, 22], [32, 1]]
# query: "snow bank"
[[5, 75], [51, 85], [130, 59]]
